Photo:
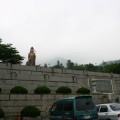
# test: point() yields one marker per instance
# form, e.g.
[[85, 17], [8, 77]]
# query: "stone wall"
[[31, 77], [13, 104]]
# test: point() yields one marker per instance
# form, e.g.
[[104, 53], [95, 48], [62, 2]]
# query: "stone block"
[[4, 97], [7, 76], [23, 77], [50, 97], [77, 72], [2, 65], [12, 82], [16, 67], [2, 82], [50, 83], [116, 76], [58, 97], [57, 75], [28, 68], [1, 75], [57, 70], [4, 71], [69, 71], [26, 72], [66, 75], [37, 97], [30, 97], [61, 84], [54, 79], [91, 73], [66, 79], [17, 97], [46, 69], [36, 77], [37, 73]]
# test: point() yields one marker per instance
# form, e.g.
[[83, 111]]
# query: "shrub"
[[42, 90], [0, 90], [63, 90], [19, 90], [2, 113], [30, 111], [83, 90]]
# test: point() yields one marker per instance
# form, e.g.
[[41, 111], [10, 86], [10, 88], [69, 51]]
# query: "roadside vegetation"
[[104, 67]]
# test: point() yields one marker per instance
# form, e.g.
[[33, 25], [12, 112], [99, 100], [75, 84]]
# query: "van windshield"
[[83, 104]]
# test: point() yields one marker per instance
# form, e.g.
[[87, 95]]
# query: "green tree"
[[9, 54], [58, 65], [70, 64]]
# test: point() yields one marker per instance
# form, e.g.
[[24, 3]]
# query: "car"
[[108, 111], [74, 108]]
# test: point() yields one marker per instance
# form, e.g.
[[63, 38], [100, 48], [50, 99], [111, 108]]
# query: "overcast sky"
[[84, 31]]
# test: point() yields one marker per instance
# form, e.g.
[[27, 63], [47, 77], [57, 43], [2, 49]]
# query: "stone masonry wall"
[[31, 77], [13, 104]]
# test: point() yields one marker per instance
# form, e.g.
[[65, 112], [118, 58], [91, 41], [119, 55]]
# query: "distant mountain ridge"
[[110, 62], [53, 61]]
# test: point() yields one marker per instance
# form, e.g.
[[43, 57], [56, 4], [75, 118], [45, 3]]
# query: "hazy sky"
[[84, 31]]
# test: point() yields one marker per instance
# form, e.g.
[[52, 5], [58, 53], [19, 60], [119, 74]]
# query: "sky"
[[84, 31]]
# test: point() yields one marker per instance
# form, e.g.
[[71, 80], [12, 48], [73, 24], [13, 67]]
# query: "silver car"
[[109, 111]]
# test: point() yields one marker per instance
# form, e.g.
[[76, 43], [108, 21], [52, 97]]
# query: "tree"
[[70, 64], [9, 54], [59, 65]]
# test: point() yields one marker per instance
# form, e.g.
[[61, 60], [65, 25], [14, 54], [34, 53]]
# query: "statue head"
[[31, 49]]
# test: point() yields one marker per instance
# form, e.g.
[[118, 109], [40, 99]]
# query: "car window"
[[98, 107], [104, 109], [68, 106], [84, 105], [57, 107], [115, 107]]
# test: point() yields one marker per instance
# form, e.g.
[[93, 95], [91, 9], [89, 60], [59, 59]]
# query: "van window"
[[57, 107], [84, 104], [68, 106]]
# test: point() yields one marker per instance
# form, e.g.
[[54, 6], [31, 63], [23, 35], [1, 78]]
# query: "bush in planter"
[[2, 113], [83, 90], [42, 90], [0, 90], [63, 90], [30, 111], [18, 90]]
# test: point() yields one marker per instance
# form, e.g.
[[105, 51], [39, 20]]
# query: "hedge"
[[42, 90], [18, 90], [64, 90], [83, 90], [30, 111], [0, 90], [2, 113]]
